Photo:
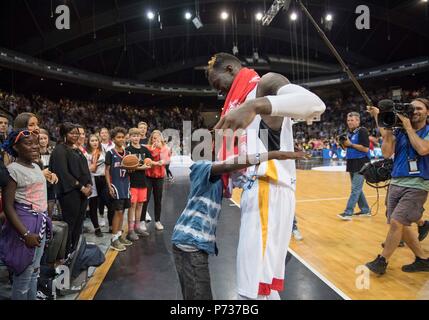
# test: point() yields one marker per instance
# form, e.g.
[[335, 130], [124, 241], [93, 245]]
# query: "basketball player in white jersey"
[[268, 203]]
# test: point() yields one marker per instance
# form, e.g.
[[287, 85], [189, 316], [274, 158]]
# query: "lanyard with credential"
[[411, 154], [254, 176]]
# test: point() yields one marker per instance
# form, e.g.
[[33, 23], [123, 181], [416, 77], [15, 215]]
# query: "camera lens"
[[387, 119], [399, 107]]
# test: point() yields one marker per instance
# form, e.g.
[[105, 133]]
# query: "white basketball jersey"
[[286, 169], [267, 212]]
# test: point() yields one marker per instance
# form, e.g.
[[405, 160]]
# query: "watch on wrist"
[[25, 235]]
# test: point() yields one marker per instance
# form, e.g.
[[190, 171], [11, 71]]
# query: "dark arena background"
[[79, 69]]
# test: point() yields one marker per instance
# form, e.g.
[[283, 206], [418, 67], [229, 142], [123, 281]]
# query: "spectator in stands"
[[26, 120], [74, 185], [4, 126], [45, 156], [104, 199], [98, 159], [118, 182], [23, 238], [80, 143], [143, 132], [156, 174], [30, 122], [95, 159], [106, 143]]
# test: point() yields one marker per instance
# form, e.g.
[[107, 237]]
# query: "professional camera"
[[389, 110], [342, 138], [376, 172]]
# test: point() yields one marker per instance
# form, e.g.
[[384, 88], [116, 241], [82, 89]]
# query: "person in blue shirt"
[[357, 145], [409, 187], [118, 182], [194, 235]]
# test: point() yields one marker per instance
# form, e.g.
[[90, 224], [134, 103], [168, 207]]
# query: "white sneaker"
[[159, 226], [143, 226], [297, 235], [148, 218], [101, 222]]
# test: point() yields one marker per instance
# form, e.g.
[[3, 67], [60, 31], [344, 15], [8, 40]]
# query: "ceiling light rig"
[[150, 15], [274, 9], [224, 15], [328, 21], [197, 20]]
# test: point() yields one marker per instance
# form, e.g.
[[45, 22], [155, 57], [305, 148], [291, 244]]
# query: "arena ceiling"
[[115, 37]]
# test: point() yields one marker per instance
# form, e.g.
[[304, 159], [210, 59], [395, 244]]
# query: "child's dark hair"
[[10, 142], [4, 115], [116, 131]]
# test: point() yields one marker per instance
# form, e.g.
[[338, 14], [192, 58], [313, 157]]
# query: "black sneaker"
[[345, 217], [98, 233], [423, 231], [401, 244], [378, 266], [420, 265], [362, 214]]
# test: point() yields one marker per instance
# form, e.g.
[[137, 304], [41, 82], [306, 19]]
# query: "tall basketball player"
[[268, 203]]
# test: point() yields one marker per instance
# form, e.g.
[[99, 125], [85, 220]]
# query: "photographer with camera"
[[409, 143], [356, 141]]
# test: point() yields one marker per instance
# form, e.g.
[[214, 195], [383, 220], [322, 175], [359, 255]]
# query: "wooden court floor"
[[338, 249]]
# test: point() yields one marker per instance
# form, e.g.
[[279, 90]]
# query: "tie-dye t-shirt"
[[30, 186]]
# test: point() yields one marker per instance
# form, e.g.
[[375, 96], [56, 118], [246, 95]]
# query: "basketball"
[[130, 162], [147, 162]]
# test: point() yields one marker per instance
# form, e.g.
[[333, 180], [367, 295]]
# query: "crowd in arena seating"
[[327, 130], [107, 115]]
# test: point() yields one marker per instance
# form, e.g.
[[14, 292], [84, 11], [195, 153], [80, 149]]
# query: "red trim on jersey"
[[265, 288], [245, 81], [119, 155]]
